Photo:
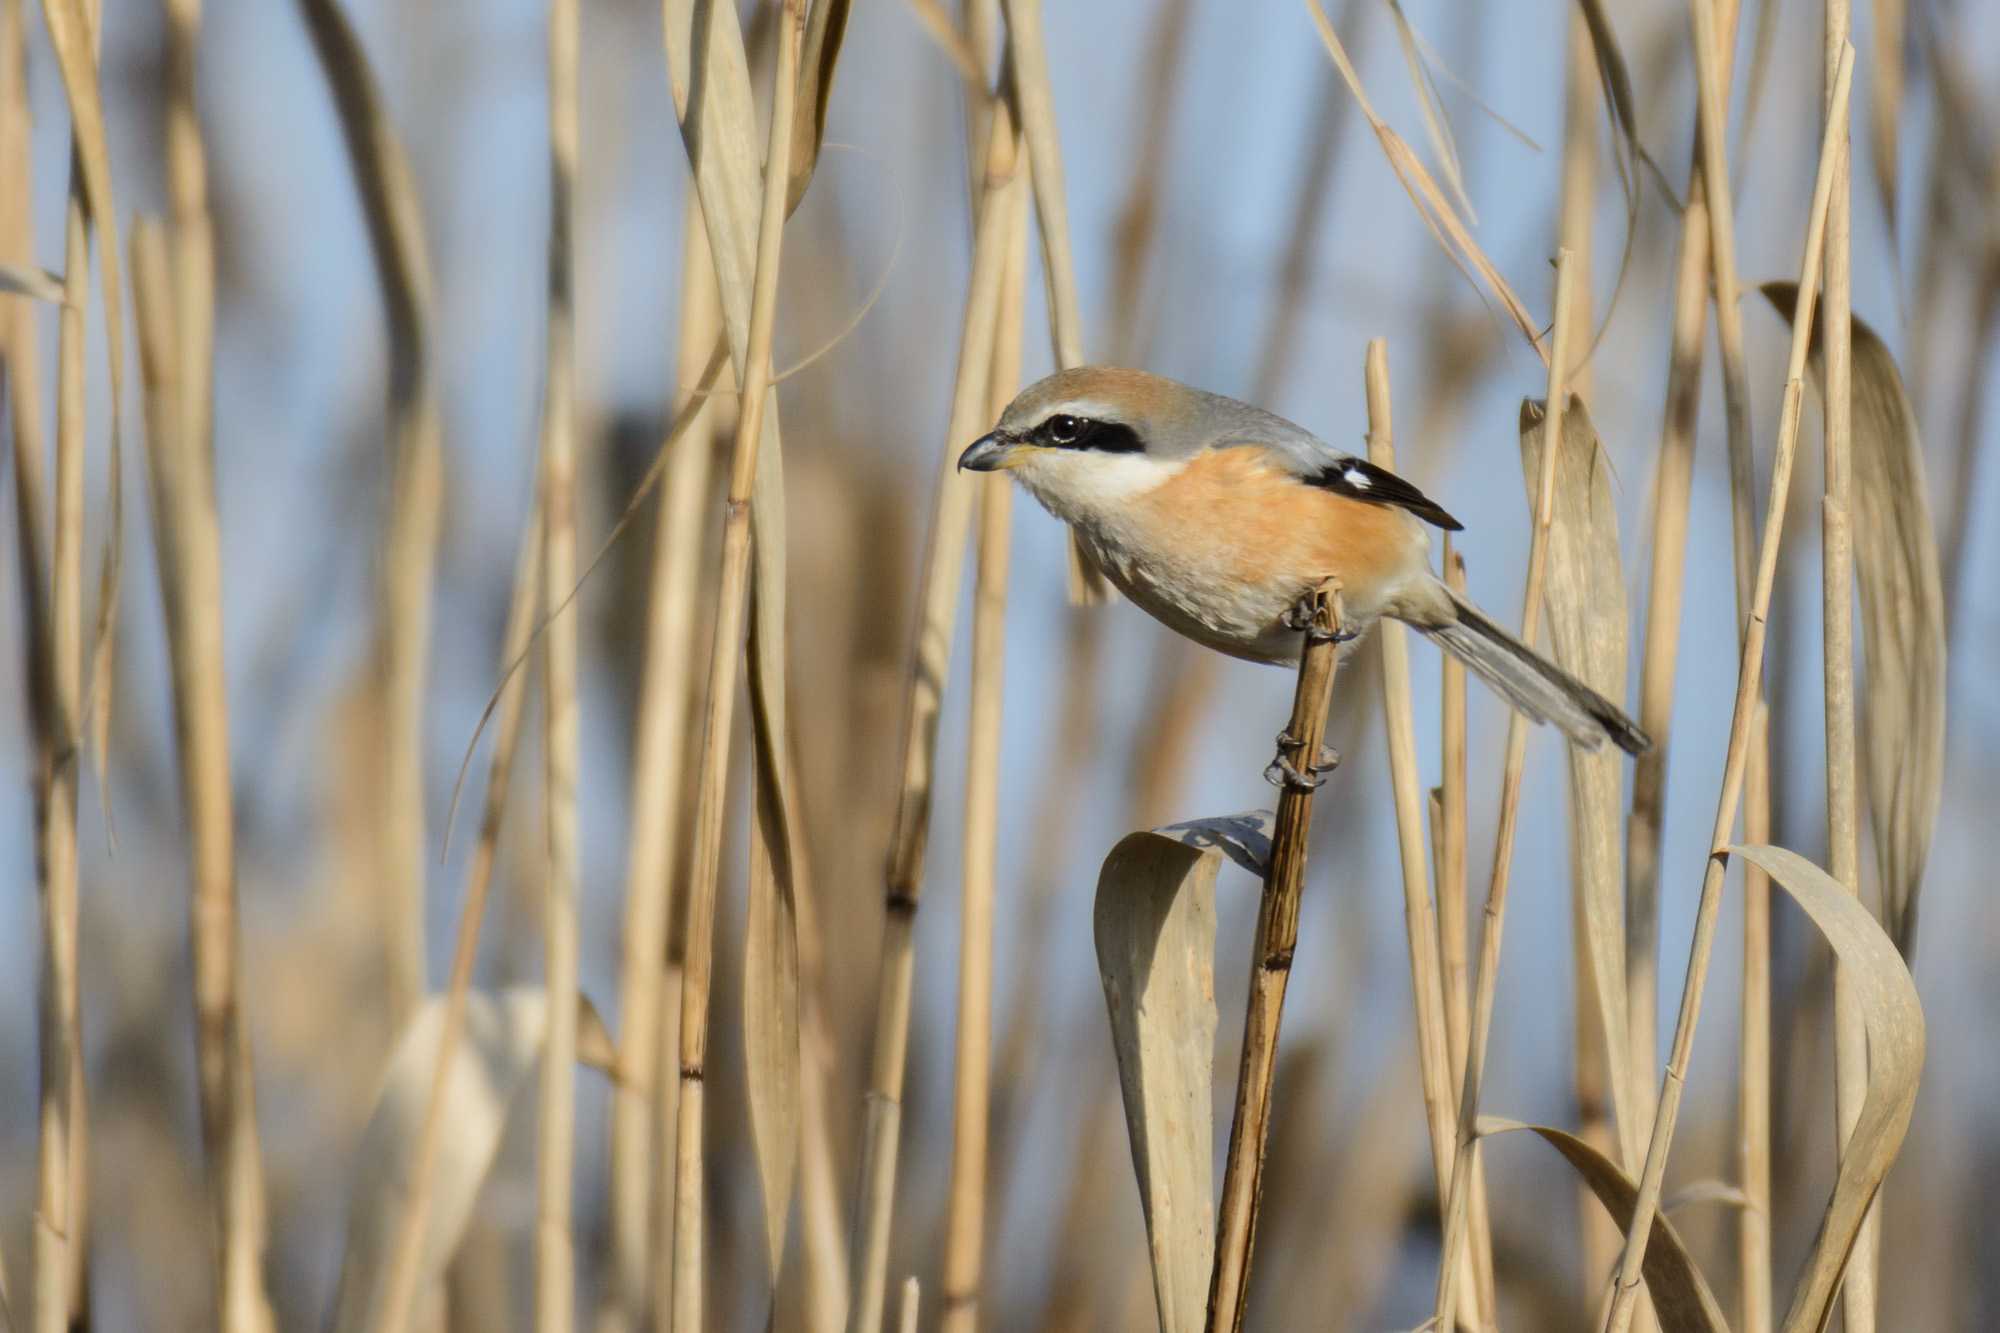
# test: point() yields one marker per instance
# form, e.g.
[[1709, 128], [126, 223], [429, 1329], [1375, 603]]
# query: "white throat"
[[1086, 488]]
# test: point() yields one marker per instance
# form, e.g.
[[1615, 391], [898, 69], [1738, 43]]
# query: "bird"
[[1218, 518]]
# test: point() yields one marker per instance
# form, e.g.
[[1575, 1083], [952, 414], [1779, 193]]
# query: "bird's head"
[[1086, 439]]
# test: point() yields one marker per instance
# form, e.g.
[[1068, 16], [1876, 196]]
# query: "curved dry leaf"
[[1680, 1294], [1436, 124], [1584, 604], [1902, 620], [1894, 1019], [825, 30], [499, 1048], [1154, 924]]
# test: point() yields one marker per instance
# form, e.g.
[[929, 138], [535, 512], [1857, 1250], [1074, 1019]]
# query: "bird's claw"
[[1282, 773], [1299, 617]]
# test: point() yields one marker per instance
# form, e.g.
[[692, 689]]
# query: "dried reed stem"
[[555, 1155], [406, 1263], [1454, 966], [1753, 1097], [230, 1121], [724, 661], [1486, 978], [965, 1217], [931, 662], [1850, 1072], [1426, 983], [1660, 658], [653, 849], [58, 1208], [395, 232], [1271, 968], [1749, 675]]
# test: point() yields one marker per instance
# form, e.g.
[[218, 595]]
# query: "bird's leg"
[[1283, 771], [1299, 616]]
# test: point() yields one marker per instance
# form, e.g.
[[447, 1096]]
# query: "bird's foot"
[[1299, 617], [1282, 773]]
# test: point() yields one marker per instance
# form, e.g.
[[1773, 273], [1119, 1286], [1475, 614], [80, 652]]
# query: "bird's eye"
[[1065, 429]]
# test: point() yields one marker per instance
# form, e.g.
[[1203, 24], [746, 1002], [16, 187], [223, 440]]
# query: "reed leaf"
[[1154, 924], [1680, 1293], [1585, 606], [1894, 1018], [1902, 613]]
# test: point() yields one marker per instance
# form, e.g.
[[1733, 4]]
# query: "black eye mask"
[[1063, 431]]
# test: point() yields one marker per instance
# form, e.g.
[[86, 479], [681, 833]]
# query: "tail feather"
[[1533, 684]]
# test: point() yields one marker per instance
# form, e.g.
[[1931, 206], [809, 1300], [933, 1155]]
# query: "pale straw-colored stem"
[[965, 1213], [724, 661], [1850, 1068], [555, 1158], [1749, 677], [1420, 926], [1486, 977], [931, 661]]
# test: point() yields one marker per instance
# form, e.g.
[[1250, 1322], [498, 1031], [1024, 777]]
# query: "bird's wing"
[[1318, 463]]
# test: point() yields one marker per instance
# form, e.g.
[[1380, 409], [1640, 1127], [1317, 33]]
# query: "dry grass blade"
[[771, 1028], [931, 661], [402, 1283], [394, 217], [756, 500], [654, 849], [1887, 999], [1419, 923], [1885, 102], [1680, 1293], [1436, 124], [1902, 609], [1585, 606], [1749, 679], [1548, 419], [555, 1144], [965, 1237], [1271, 969], [1036, 105], [825, 30], [1438, 214], [1154, 924], [72, 29], [504, 1035], [188, 535]]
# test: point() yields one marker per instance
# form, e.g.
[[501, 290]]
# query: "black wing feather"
[[1358, 479]]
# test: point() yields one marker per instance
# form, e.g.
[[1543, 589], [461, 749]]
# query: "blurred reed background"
[[417, 295]]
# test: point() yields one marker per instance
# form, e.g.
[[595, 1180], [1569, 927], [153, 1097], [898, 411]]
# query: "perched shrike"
[[1216, 518]]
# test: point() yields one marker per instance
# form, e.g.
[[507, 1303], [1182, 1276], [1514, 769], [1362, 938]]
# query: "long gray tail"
[[1532, 683]]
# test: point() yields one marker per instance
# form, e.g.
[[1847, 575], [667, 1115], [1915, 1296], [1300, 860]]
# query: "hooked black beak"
[[988, 453]]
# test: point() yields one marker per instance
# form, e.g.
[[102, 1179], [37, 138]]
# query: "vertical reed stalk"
[[965, 1221], [943, 565], [1753, 1104], [1271, 968], [658, 771], [1749, 676], [406, 1263], [689, 492], [1850, 1076], [1426, 985], [396, 237], [1486, 978], [230, 1120], [725, 659], [1452, 921], [555, 1159]]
